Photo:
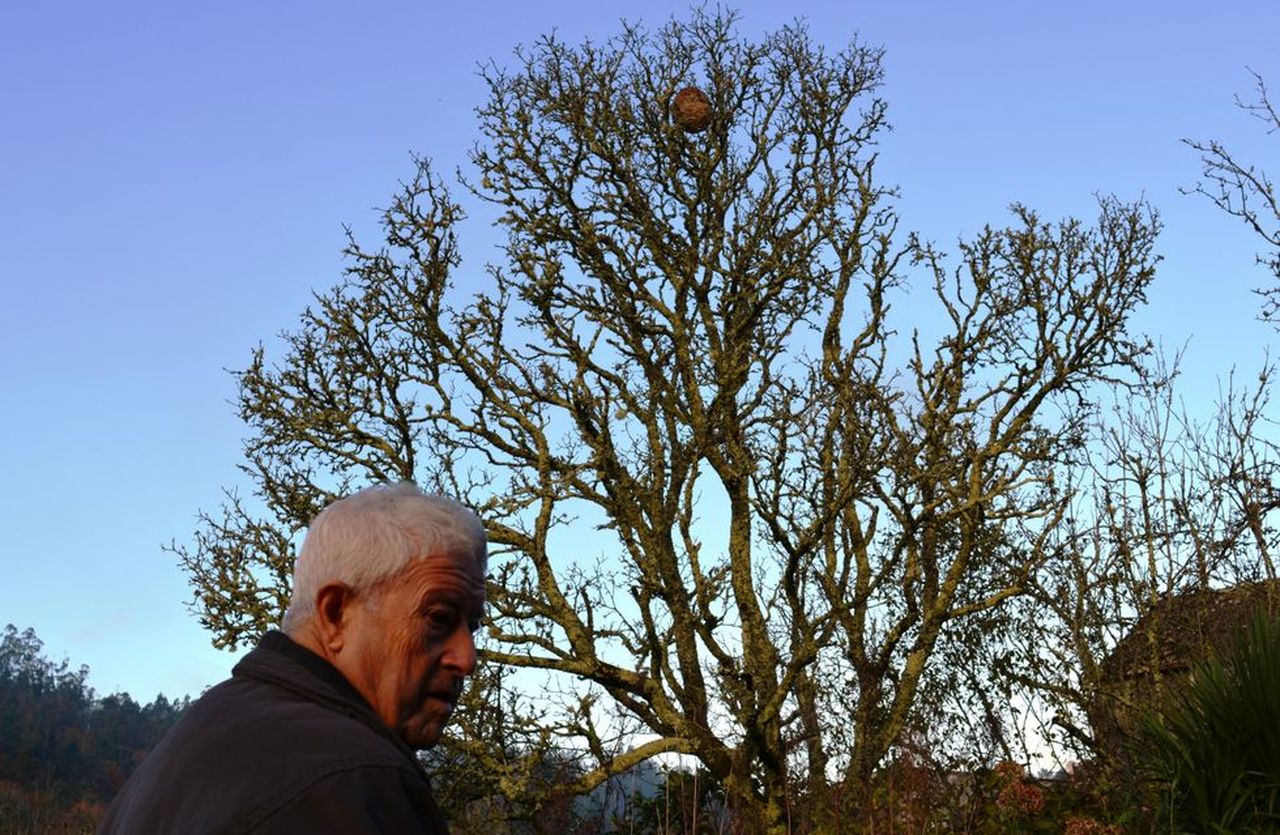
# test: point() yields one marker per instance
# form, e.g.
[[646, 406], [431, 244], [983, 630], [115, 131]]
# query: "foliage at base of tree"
[[1217, 745], [26, 811]]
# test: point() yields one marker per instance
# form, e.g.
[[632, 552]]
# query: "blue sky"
[[174, 178]]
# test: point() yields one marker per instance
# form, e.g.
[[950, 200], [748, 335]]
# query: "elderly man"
[[316, 729]]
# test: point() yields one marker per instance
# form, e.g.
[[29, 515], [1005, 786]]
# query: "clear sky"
[[174, 178]]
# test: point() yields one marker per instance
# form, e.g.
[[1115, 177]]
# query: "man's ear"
[[333, 614]]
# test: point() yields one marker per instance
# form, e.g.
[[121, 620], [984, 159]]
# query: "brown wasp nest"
[[691, 110]]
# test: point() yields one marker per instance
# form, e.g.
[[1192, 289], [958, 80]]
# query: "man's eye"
[[441, 618]]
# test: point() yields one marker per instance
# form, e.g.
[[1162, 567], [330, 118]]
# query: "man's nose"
[[462, 652]]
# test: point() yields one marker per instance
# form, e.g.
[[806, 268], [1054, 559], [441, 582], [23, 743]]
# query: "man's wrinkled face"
[[409, 644]]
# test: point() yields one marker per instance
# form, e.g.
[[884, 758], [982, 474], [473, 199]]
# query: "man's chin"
[[423, 731], [421, 738]]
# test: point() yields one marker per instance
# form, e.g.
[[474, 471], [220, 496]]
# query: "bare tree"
[[730, 505], [1174, 518], [1167, 504], [1244, 191]]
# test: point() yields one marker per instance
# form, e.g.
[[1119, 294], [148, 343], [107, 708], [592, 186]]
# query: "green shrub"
[[1215, 747]]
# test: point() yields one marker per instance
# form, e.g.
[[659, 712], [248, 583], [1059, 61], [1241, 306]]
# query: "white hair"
[[373, 535]]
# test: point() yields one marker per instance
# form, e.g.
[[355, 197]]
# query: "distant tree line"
[[64, 750]]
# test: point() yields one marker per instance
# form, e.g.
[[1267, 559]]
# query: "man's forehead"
[[447, 573]]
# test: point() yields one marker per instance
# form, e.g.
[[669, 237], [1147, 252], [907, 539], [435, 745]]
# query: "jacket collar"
[[279, 660]]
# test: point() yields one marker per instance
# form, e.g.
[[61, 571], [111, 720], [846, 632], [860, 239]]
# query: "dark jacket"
[[286, 745]]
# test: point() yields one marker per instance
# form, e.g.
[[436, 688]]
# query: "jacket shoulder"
[[248, 749]]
